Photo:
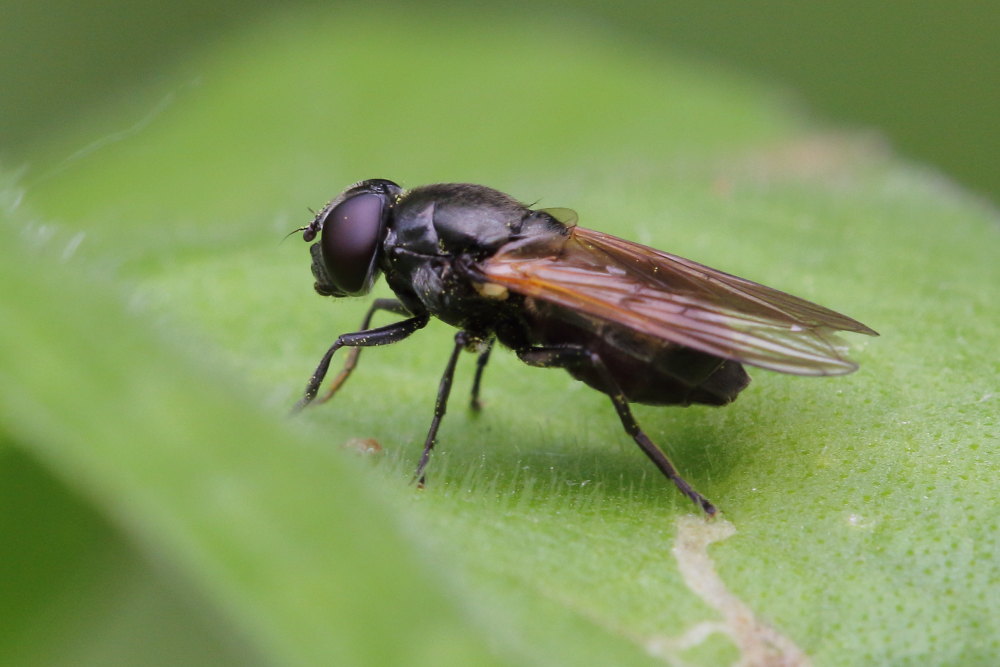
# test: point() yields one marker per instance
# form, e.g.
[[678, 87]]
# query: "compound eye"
[[350, 240]]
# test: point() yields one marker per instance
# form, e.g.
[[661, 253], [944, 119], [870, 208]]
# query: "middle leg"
[[481, 362], [440, 405]]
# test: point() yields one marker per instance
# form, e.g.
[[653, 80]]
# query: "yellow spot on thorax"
[[492, 290]]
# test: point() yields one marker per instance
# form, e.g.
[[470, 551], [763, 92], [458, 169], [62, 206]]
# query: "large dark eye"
[[350, 242]]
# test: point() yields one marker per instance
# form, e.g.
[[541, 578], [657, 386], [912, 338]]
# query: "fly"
[[635, 323]]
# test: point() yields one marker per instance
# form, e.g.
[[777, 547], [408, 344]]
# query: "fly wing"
[[677, 300]]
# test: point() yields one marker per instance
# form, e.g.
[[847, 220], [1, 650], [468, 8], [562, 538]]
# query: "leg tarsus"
[[661, 461]]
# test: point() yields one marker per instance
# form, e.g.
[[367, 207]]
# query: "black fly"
[[637, 324]]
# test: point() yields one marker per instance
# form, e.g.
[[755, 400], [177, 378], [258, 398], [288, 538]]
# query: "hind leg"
[[566, 356]]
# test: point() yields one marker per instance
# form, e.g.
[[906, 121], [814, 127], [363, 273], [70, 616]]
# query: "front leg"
[[391, 333], [571, 355], [389, 305]]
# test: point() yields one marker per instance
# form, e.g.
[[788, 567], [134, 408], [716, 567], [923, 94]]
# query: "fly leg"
[[571, 355], [391, 333], [440, 405], [390, 305], [481, 362]]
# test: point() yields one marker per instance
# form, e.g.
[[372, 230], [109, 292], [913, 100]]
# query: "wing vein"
[[678, 300]]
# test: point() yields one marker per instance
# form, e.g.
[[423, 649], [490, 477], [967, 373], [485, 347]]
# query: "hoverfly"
[[638, 324]]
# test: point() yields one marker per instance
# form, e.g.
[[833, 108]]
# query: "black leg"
[[441, 405], [390, 305], [481, 362], [391, 333], [569, 356]]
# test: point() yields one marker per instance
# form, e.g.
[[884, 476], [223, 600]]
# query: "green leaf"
[[161, 507]]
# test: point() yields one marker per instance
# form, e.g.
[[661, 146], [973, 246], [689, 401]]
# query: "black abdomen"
[[648, 370]]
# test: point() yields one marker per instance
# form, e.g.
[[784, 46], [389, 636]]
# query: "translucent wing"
[[675, 299]]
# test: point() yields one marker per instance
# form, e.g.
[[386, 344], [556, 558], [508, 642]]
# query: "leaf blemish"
[[757, 642]]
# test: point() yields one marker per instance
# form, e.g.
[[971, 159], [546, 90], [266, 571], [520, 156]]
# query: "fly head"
[[351, 229]]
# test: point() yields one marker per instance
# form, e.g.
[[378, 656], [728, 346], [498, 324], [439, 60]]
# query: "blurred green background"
[[159, 508], [925, 74]]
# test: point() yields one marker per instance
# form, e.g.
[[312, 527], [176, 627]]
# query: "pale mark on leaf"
[[759, 644]]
